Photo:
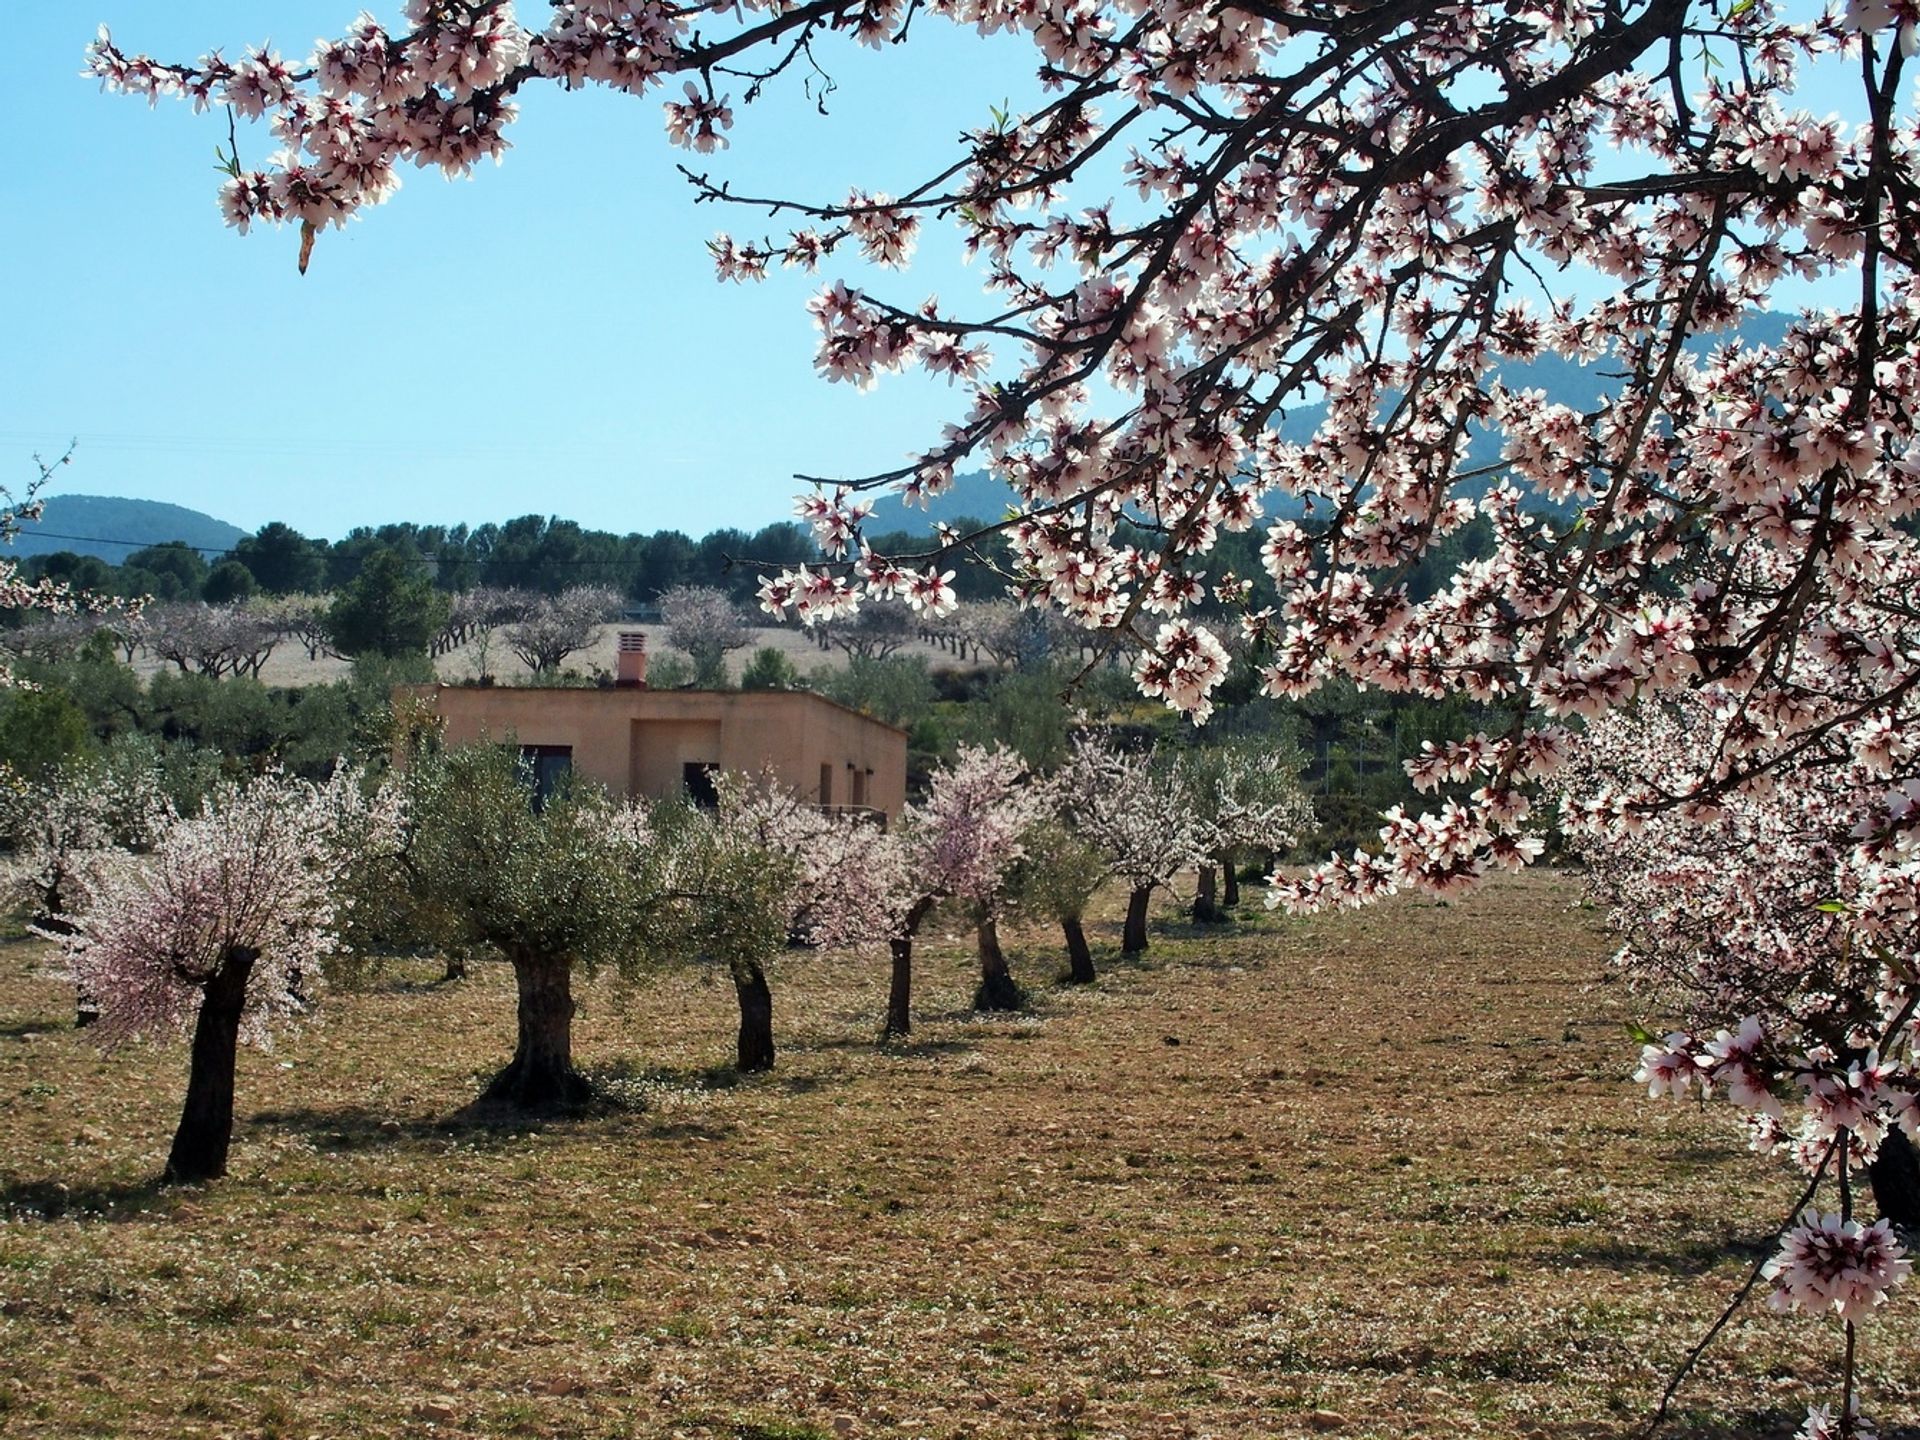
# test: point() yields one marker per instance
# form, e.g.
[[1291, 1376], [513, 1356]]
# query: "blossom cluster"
[[1827, 1263], [260, 870]]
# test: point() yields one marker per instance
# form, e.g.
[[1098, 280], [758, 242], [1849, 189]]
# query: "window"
[[696, 778], [826, 784], [548, 767]]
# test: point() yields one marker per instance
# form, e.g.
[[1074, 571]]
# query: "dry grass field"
[[1368, 1175]]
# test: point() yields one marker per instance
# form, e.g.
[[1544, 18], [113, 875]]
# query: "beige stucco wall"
[[636, 741]]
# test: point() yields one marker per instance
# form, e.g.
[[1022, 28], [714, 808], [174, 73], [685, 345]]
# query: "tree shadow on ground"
[[49, 1025], [112, 1200], [355, 1127], [1683, 1258], [906, 1047]]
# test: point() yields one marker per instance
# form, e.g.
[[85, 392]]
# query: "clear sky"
[[546, 337]]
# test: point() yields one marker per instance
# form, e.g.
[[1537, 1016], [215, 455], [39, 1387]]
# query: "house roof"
[[627, 692]]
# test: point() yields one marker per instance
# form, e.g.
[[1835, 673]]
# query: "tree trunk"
[[755, 1050], [1133, 937], [456, 967], [206, 1120], [1230, 881], [900, 991], [1895, 1177], [542, 1076], [1206, 907], [1079, 954], [998, 989]]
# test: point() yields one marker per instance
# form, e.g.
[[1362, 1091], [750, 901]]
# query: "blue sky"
[[546, 337]]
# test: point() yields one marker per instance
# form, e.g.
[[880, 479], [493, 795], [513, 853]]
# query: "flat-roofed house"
[[662, 743]]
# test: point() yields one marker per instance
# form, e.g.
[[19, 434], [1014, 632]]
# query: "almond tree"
[[1136, 814], [221, 933], [302, 618], [707, 625], [963, 841], [1238, 799], [736, 887], [71, 830], [847, 880], [212, 640], [556, 626], [1779, 924]]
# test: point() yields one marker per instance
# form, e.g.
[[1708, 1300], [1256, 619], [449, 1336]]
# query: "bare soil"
[[1378, 1174]]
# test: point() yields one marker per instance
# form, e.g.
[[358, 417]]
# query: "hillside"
[[978, 496], [113, 527]]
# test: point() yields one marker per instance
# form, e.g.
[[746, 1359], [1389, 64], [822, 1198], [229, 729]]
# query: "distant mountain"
[[113, 527], [978, 496]]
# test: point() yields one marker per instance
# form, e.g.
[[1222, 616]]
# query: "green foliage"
[[896, 690], [1057, 875], [733, 902], [769, 669], [282, 560], [227, 583], [39, 729], [390, 608], [86, 573], [170, 572], [571, 880], [669, 671]]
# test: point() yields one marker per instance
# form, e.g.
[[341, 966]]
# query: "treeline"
[[536, 553], [548, 555]]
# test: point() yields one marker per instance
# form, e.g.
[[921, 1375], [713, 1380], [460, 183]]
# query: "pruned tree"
[[212, 640], [475, 613], [221, 932], [547, 885], [70, 830], [1135, 813], [1239, 798], [55, 637], [556, 626], [737, 886], [708, 626], [1055, 880], [965, 838], [299, 617], [874, 633], [840, 880]]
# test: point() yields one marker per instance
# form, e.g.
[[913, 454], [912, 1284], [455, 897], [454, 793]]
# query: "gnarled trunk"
[[456, 967], [201, 1143], [755, 1049], [541, 1076], [1079, 953], [1895, 1177], [1133, 936], [1206, 905], [998, 989], [1229, 881]]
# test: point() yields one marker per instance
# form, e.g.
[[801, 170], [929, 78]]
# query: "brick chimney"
[[631, 666]]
